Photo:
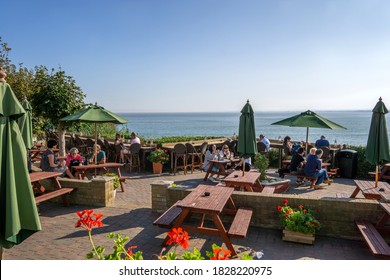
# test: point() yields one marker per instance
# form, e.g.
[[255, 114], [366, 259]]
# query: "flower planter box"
[[298, 237], [157, 167], [281, 185]]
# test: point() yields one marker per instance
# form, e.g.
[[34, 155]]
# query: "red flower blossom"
[[130, 250], [88, 221], [178, 237], [285, 201], [304, 211], [224, 256], [300, 207], [279, 208], [314, 224]]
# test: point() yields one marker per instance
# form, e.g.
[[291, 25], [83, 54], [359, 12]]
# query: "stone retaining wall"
[[337, 215]]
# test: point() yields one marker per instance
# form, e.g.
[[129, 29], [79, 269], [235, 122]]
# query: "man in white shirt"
[[134, 138], [267, 143]]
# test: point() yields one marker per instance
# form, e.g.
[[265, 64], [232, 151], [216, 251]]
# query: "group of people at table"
[[311, 166], [51, 163]]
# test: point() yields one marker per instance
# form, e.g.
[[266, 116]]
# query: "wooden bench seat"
[[374, 240], [52, 194], [268, 189], [167, 219], [303, 176], [240, 223]]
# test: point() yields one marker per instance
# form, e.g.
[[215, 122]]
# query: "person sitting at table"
[[287, 146], [50, 163], [322, 142], [73, 159], [211, 154], [120, 147], [134, 138], [297, 163], [313, 168], [97, 154], [225, 152], [266, 142]]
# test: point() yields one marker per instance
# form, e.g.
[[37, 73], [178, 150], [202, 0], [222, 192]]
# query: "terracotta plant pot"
[[298, 237], [157, 167]]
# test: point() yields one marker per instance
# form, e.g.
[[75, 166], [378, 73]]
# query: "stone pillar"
[[159, 195]]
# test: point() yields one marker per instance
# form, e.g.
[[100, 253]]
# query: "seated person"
[[134, 138], [225, 152], [247, 162], [297, 163], [322, 142], [73, 159], [313, 168], [267, 143], [211, 154], [287, 145], [50, 163], [97, 156], [120, 147]]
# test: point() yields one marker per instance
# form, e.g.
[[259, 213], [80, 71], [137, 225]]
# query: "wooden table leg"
[[208, 171], [355, 192], [223, 233], [64, 196], [383, 220]]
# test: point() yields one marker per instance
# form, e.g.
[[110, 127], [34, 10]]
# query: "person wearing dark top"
[[50, 163], [322, 142], [297, 162], [313, 168]]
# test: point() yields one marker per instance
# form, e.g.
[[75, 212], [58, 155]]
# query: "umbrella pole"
[[243, 166], [376, 175], [95, 146], [307, 138]]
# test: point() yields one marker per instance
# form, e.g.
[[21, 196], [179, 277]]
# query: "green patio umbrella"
[[25, 125], [246, 146], [377, 150], [308, 119], [95, 114], [18, 212]]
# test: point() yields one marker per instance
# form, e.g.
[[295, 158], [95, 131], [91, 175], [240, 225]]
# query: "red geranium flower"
[[178, 237], [224, 256], [88, 221]]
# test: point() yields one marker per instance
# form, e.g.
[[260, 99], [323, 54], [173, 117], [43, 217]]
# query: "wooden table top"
[[226, 161], [196, 143], [42, 175], [101, 165], [214, 203], [237, 177], [368, 188]]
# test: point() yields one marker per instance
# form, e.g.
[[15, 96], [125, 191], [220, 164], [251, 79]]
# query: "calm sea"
[[156, 125]]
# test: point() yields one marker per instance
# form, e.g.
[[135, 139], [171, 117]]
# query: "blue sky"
[[209, 55]]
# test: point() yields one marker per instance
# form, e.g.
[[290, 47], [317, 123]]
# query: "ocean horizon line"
[[266, 111]]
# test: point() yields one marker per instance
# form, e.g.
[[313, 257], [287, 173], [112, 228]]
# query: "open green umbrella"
[[25, 125], [95, 114], [377, 150], [246, 146], [18, 212], [308, 119]]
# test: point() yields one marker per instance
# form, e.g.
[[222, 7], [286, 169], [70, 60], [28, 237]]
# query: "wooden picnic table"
[[211, 201], [42, 193], [83, 170], [369, 190], [222, 164], [36, 153], [248, 181], [384, 173]]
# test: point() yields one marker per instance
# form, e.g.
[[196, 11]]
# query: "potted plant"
[[158, 157], [262, 163], [300, 224], [117, 182]]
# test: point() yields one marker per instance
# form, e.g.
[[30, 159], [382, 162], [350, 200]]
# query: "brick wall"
[[96, 192], [337, 215]]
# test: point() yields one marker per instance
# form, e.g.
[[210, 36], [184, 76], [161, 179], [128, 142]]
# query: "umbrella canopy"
[[309, 119], [18, 212], [95, 114], [246, 146], [377, 150], [25, 125]]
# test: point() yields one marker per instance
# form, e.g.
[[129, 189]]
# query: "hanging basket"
[[157, 168], [298, 237]]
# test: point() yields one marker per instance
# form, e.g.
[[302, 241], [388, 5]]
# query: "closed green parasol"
[[25, 125], [309, 119], [94, 114], [18, 214], [246, 146], [377, 150]]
